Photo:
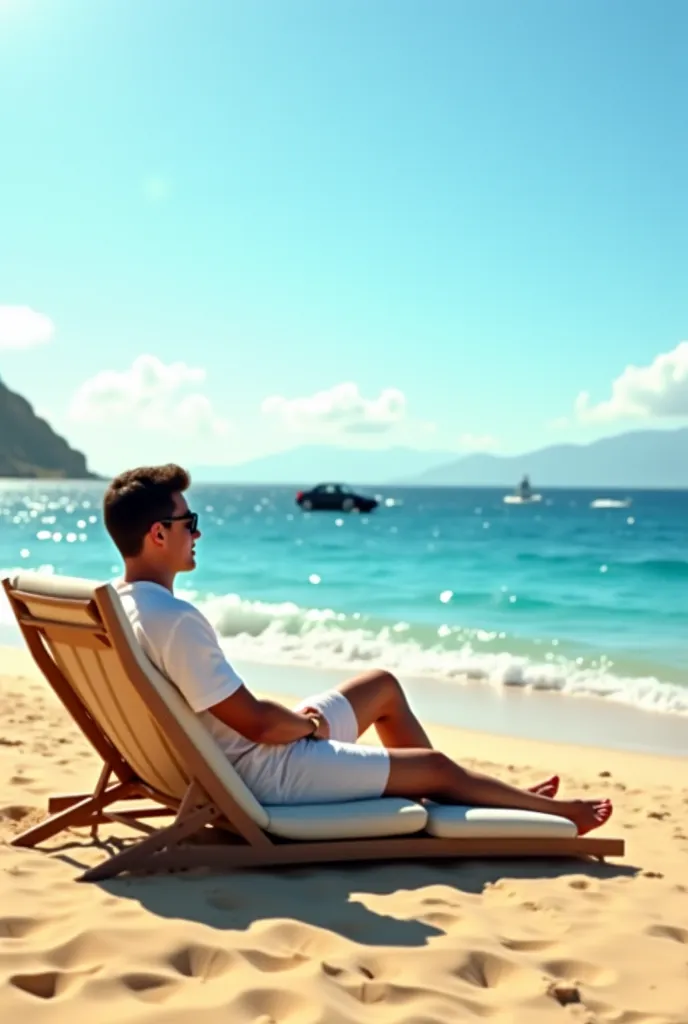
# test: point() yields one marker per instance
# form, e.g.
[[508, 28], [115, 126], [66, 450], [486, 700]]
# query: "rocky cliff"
[[29, 447]]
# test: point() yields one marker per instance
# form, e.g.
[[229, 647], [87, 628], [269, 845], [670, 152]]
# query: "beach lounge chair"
[[155, 749]]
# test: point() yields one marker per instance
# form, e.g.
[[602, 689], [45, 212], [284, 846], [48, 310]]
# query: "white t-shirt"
[[183, 645]]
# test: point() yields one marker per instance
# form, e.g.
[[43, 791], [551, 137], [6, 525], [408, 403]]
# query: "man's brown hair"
[[138, 498]]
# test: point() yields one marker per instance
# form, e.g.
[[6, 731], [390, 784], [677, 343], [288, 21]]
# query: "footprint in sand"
[[150, 987], [638, 1017], [489, 970], [527, 945], [202, 962], [439, 911], [17, 812], [359, 981], [48, 984], [668, 931], [333, 971], [437, 901], [19, 927]]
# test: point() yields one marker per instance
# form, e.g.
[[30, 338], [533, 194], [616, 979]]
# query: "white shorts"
[[319, 771]]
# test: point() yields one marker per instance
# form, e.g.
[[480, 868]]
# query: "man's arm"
[[263, 721], [195, 662]]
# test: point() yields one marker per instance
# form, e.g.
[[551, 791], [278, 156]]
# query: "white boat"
[[523, 496], [611, 503], [518, 499]]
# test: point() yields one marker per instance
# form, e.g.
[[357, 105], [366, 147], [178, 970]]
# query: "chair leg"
[[138, 855], [62, 801], [82, 813]]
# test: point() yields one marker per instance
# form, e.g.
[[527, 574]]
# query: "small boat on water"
[[524, 494], [611, 503]]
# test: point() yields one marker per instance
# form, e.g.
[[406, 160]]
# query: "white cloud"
[[341, 408], [656, 391], [478, 442], [22, 327], [150, 395]]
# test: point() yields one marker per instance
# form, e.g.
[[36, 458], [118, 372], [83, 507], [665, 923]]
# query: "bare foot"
[[550, 787], [588, 814]]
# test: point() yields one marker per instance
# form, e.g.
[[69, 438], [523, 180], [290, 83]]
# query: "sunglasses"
[[190, 518]]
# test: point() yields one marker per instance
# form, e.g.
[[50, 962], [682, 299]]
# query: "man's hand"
[[323, 730]]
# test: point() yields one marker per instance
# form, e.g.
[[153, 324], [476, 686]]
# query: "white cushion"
[[353, 819], [449, 821], [72, 588]]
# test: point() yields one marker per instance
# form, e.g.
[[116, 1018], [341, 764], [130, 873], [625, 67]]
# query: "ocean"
[[450, 584]]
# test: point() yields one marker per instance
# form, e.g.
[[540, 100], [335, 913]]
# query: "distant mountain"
[[29, 447], [310, 464], [641, 459]]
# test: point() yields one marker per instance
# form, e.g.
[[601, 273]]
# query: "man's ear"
[[156, 534]]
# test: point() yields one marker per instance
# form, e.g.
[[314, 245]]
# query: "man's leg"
[[378, 699], [431, 774]]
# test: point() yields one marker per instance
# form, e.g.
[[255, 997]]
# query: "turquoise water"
[[445, 583]]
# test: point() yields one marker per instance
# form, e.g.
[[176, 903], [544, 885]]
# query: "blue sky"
[[435, 223]]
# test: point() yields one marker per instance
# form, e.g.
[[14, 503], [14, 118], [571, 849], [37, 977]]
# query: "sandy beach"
[[401, 943]]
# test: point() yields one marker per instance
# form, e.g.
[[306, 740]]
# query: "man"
[[310, 754]]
